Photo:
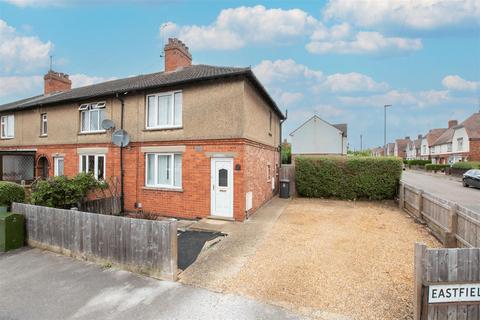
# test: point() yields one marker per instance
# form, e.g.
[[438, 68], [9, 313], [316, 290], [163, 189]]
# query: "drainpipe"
[[122, 201], [281, 122]]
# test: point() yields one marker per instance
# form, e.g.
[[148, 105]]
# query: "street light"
[[385, 128]]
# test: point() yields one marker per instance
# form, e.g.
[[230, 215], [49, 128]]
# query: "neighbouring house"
[[204, 140], [400, 149], [442, 147], [318, 137], [413, 148], [428, 140], [460, 142], [378, 152], [390, 149]]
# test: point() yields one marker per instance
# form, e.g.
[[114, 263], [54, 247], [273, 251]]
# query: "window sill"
[[43, 136], [7, 138], [163, 128], [92, 132], [163, 189]]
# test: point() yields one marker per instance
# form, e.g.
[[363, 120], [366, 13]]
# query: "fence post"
[[450, 237], [401, 196], [420, 204], [420, 250]]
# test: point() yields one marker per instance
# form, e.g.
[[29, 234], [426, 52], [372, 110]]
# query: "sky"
[[341, 60]]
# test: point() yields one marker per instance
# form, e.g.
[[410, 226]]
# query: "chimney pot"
[[420, 137], [452, 123], [56, 82], [407, 138], [177, 55]]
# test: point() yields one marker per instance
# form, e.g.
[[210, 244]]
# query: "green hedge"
[[348, 177], [436, 167], [11, 192], [466, 165], [418, 162], [63, 192]]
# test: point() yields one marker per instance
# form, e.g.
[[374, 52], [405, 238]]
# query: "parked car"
[[472, 178]]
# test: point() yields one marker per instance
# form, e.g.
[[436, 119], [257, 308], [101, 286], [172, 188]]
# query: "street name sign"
[[448, 293]]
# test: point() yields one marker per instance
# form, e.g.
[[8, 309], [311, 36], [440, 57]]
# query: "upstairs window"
[[449, 147], [164, 110], [43, 124], [91, 117], [7, 126], [460, 144]]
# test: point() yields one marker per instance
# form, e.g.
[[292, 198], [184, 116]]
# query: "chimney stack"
[[420, 137], [407, 138], [56, 82], [452, 123], [176, 55]]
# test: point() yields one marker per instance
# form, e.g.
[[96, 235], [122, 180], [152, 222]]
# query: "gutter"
[[281, 123]]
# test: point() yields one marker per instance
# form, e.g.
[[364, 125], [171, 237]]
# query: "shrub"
[[11, 192], [466, 165], [348, 177], [418, 162], [63, 192], [436, 167]]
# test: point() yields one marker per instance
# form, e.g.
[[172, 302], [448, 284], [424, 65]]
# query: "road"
[[444, 187], [40, 285]]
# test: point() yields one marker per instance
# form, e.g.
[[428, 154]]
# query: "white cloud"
[[36, 3], [415, 14], [351, 82], [81, 80], [21, 53], [289, 98], [288, 70], [457, 83], [11, 86], [235, 27], [363, 42]]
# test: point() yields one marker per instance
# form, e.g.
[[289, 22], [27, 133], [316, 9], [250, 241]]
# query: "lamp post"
[[385, 128]]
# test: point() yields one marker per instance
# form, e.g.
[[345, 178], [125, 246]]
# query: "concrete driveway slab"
[[38, 285]]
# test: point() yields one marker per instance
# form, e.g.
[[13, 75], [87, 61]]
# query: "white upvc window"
[[459, 144], [449, 147], [43, 124], [58, 166], [91, 117], [164, 110], [94, 164], [163, 170], [7, 126]]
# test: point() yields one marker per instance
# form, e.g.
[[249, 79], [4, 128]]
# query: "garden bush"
[[11, 192], [348, 177], [418, 162], [436, 167], [63, 192], [466, 165]]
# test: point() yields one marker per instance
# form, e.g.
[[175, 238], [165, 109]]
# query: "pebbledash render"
[[204, 140]]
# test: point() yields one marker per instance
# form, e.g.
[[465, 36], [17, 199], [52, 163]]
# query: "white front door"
[[222, 187]]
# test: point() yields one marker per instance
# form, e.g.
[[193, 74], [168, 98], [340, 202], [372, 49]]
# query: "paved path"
[[450, 189], [39, 285]]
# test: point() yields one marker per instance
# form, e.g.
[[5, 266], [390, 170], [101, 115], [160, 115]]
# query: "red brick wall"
[[194, 199], [257, 158], [474, 154]]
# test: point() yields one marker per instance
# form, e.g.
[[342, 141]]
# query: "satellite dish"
[[120, 138], [108, 124]]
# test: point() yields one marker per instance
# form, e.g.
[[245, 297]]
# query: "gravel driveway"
[[336, 260]]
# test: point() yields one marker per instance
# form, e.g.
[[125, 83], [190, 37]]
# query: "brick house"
[[378, 152], [460, 142], [413, 148], [400, 149], [428, 140], [204, 140]]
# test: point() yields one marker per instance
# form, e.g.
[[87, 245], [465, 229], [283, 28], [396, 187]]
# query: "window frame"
[[43, 125], [88, 108], [171, 124], [460, 144], [155, 170], [55, 166], [95, 169], [4, 123]]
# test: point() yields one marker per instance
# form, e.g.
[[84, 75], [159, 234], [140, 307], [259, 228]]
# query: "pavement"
[[38, 285], [445, 187]]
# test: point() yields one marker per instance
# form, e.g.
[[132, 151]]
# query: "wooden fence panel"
[[453, 225], [287, 171], [109, 205], [144, 246], [444, 266]]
